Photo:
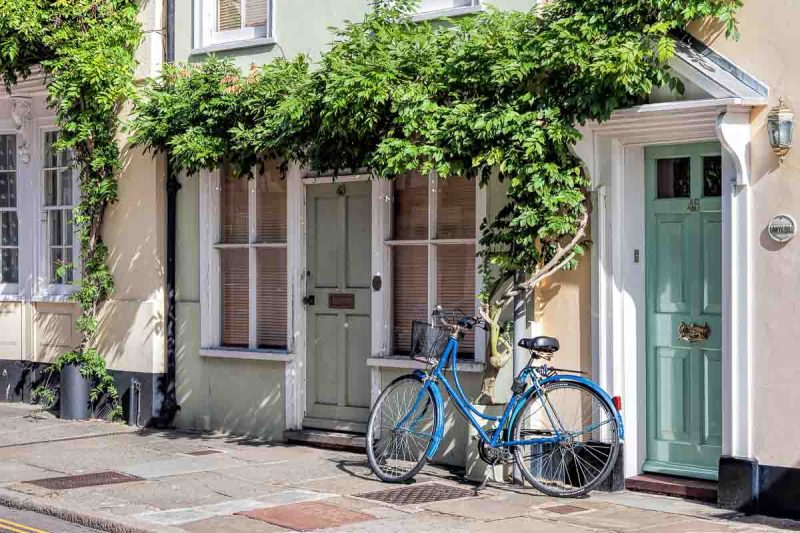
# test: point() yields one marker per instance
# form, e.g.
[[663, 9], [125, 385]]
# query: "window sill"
[[10, 298], [445, 13], [233, 45], [53, 298], [251, 355], [405, 362]]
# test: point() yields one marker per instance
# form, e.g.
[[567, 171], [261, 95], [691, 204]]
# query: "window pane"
[[51, 159], [411, 207], [66, 187], [9, 230], [229, 14], [50, 187], [9, 267], [56, 262], [455, 285], [235, 297], [255, 13], [672, 177], [272, 300], [67, 224], [271, 205], [410, 295], [455, 216], [712, 176], [8, 152], [68, 273], [55, 221], [234, 209]]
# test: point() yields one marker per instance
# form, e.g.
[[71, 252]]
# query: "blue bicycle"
[[562, 431]]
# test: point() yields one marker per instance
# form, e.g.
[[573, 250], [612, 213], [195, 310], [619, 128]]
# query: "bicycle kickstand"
[[491, 472]]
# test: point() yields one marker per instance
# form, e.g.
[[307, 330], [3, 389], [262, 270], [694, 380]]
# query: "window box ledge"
[[406, 362], [234, 45], [252, 355], [445, 13]]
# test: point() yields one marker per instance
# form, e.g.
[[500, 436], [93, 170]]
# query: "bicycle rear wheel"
[[401, 429], [584, 439]]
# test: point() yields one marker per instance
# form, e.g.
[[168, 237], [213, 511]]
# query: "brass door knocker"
[[693, 332]]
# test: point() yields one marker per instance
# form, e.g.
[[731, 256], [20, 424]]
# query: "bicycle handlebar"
[[465, 322]]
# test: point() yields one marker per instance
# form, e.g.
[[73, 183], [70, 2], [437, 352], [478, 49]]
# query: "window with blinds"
[[433, 253], [240, 14], [440, 5], [253, 260], [58, 206], [9, 224]]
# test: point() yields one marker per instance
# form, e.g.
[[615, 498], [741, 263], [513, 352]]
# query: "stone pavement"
[[208, 483]]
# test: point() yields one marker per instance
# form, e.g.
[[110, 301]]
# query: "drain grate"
[[203, 452], [426, 493], [84, 480], [565, 509]]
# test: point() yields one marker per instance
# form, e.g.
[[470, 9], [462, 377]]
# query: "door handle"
[[693, 332], [309, 299]]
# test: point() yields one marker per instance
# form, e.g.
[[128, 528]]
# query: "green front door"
[[338, 302], [683, 247]]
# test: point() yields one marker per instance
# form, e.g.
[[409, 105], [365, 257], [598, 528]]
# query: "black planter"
[[75, 389]]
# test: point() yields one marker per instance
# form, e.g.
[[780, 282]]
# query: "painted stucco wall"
[[767, 50]]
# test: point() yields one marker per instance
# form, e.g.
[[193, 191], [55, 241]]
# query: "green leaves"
[[496, 92]]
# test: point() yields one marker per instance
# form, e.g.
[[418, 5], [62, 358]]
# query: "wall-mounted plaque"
[[342, 301], [782, 228]]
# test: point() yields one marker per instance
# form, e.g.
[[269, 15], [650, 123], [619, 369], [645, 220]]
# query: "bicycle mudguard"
[[438, 431], [575, 379]]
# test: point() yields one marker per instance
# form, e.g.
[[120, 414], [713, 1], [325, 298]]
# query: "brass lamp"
[[780, 127]]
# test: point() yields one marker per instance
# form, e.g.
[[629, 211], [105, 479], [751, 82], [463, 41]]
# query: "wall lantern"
[[780, 127]]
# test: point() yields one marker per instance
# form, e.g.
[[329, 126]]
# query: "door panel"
[[338, 280], [683, 256]]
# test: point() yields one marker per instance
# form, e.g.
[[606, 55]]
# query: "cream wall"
[[768, 50]]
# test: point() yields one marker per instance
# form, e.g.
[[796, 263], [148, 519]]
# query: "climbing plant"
[[85, 50], [498, 95]]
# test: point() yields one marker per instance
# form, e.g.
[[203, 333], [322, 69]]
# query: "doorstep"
[[692, 489], [321, 438]]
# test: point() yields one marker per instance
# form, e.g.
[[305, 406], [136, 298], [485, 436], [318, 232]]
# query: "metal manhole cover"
[[203, 452], [84, 480], [426, 493], [566, 509]]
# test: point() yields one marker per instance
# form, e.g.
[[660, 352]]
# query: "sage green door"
[[338, 301], [683, 247]]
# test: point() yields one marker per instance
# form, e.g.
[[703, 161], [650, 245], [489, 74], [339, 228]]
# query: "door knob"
[[309, 299]]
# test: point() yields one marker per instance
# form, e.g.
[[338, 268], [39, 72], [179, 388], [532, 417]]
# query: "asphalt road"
[[14, 521]]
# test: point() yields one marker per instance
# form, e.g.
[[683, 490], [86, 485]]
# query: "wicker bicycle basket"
[[427, 342]]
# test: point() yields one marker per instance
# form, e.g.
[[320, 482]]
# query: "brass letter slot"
[[693, 332], [342, 301]]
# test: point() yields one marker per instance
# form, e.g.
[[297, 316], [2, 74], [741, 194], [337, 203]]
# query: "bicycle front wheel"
[[401, 429], [578, 439]]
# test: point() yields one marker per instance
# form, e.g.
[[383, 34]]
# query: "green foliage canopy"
[[498, 92]]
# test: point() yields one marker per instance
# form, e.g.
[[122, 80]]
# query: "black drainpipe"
[[169, 402]]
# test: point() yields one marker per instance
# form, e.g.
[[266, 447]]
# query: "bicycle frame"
[[504, 421]]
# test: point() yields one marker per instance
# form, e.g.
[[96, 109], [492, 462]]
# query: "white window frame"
[[44, 288], [387, 193], [211, 246], [208, 39], [475, 6], [14, 288]]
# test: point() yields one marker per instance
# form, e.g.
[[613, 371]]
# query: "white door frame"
[[614, 155]]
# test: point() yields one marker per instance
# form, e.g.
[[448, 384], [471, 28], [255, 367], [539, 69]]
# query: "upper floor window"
[[447, 7], [225, 23]]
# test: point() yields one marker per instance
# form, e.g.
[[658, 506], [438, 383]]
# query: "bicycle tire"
[[609, 428], [372, 438]]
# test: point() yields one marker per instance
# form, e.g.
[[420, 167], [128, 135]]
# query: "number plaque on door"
[[693, 332], [342, 301]]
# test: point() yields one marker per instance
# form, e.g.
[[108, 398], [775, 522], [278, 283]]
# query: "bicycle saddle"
[[540, 344]]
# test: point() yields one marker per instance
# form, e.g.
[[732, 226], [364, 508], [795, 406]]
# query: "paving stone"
[[479, 508], [182, 465], [308, 516], [292, 496], [527, 524], [231, 524], [620, 519], [175, 516]]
